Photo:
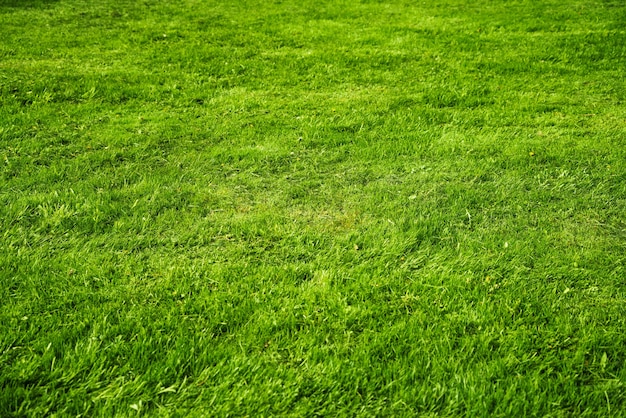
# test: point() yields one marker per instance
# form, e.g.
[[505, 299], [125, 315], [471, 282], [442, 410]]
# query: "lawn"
[[312, 208]]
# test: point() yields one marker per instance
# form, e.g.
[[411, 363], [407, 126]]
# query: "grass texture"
[[312, 208]]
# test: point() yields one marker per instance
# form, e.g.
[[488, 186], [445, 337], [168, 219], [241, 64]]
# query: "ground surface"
[[332, 208]]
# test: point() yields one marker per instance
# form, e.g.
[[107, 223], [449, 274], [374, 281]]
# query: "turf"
[[298, 208]]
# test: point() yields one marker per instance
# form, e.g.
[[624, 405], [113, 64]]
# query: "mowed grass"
[[299, 208]]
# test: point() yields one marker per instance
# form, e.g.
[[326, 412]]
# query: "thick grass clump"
[[330, 208]]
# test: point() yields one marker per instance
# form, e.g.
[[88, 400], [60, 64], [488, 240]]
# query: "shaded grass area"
[[298, 209]]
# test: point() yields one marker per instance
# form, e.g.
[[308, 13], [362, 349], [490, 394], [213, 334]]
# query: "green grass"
[[329, 208]]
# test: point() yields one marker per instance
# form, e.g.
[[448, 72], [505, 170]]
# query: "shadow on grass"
[[26, 3]]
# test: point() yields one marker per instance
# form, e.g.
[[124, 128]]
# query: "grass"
[[327, 208]]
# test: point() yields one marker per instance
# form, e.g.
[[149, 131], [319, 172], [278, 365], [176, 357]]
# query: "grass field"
[[312, 208]]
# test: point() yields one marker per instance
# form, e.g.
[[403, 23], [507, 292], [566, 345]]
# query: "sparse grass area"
[[330, 208]]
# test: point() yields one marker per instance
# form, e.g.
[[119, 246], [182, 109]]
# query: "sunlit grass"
[[329, 208]]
